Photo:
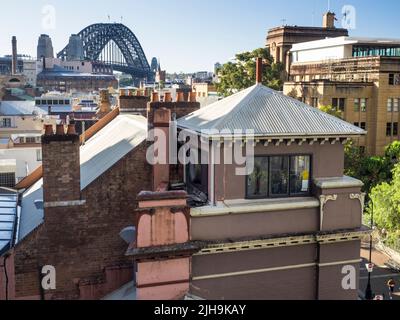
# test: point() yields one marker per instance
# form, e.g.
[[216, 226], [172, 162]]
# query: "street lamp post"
[[368, 291]]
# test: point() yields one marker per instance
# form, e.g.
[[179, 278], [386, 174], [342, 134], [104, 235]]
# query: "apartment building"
[[358, 76]]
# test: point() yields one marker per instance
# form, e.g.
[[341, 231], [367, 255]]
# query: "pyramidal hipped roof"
[[269, 113]]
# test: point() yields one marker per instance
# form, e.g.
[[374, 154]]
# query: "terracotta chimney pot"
[[48, 130], [154, 97], [192, 96], [71, 129], [60, 130], [180, 97], [168, 97]]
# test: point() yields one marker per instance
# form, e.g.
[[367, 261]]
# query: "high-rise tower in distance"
[[45, 47]]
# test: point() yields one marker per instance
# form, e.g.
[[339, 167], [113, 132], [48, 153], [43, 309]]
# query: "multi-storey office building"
[[359, 76]]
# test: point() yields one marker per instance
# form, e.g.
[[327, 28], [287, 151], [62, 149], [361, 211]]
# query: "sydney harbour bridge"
[[116, 45]]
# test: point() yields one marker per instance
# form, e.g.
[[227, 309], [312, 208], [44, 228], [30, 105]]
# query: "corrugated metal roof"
[[269, 113], [20, 108], [98, 155], [110, 144], [8, 219]]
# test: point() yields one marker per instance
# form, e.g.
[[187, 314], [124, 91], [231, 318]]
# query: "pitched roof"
[[8, 218], [99, 154], [38, 173], [269, 113], [108, 146]]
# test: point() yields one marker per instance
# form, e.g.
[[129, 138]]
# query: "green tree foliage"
[[241, 74], [332, 111], [126, 82], [371, 170], [385, 203]]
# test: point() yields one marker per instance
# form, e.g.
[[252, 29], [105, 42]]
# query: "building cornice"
[[254, 206], [298, 240], [338, 183]]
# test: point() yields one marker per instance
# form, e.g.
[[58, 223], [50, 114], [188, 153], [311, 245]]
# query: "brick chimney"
[[329, 20], [133, 104], [180, 108], [105, 104], [14, 55], [162, 119], [61, 165], [259, 70]]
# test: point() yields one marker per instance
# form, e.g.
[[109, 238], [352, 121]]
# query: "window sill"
[[242, 206]]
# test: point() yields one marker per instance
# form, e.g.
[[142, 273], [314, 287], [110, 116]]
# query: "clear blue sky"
[[188, 35]]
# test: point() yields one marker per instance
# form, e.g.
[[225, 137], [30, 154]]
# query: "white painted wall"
[[324, 53], [30, 72], [26, 158]]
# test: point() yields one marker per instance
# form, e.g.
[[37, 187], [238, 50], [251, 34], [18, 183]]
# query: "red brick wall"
[[135, 104], [61, 169], [82, 242], [180, 109]]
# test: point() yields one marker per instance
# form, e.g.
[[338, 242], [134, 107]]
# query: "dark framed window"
[[279, 177], [357, 124], [314, 102], [279, 180], [395, 129], [391, 79], [388, 129], [6, 123], [339, 103], [257, 183], [300, 175], [363, 125], [7, 180], [197, 174]]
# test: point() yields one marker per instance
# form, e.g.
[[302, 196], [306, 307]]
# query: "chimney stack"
[[105, 104], [14, 55], [179, 108], [192, 96], [180, 97], [259, 70], [61, 165], [154, 97], [329, 20], [162, 119], [167, 97]]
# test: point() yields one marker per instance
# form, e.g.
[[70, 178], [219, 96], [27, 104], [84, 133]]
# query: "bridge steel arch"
[[121, 47]]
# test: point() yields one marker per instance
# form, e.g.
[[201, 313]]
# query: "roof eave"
[[279, 136]]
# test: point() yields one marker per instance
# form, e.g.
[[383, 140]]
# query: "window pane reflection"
[[299, 174], [257, 182], [279, 176]]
